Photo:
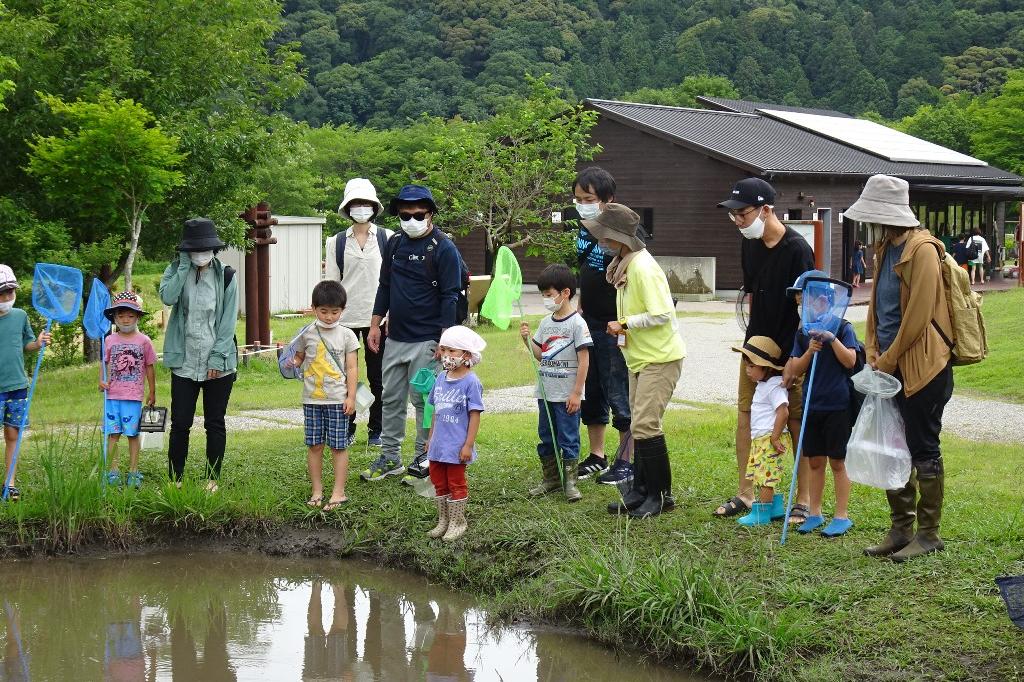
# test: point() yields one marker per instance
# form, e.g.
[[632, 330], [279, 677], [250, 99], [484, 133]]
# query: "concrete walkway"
[[710, 375]]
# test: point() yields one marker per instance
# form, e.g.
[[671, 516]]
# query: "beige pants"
[[649, 393]]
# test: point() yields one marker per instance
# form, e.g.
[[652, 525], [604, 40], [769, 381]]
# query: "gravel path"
[[710, 376]]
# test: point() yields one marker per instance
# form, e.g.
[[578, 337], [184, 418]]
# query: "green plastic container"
[[423, 382]]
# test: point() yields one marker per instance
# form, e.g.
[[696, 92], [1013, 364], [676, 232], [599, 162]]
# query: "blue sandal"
[[810, 524], [837, 527]]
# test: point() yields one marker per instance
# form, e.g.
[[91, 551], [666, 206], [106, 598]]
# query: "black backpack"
[[856, 397], [339, 248], [462, 304], [973, 248]]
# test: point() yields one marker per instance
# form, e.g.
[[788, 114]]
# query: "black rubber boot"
[[901, 512], [658, 475], [638, 492]]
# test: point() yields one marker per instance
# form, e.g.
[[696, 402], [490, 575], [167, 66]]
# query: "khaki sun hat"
[[761, 351], [884, 201], [616, 222]]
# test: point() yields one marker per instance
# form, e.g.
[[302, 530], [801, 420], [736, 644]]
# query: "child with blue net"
[[16, 339], [827, 427]]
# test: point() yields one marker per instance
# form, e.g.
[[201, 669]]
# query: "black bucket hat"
[[200, 234]]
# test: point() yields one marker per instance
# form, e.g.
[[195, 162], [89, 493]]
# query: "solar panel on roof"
[[874, 138]]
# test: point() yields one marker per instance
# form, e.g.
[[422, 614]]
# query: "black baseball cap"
[[750, 192]]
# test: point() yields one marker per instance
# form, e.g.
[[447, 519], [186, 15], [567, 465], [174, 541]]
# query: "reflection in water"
[[223, 617]]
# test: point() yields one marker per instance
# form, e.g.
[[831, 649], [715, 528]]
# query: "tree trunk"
[[136, 225]]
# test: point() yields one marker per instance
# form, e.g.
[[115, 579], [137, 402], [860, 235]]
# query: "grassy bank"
[[683, 587]]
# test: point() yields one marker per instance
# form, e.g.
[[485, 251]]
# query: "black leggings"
[[184, 395], [922, 415]]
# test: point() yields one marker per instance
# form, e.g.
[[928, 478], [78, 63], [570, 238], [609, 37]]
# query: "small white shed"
[[295, 263]]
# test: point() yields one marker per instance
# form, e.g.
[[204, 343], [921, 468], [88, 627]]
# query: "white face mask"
[[6, 306], [551, 304], [415, 228], [128, 328], [450, 362], [588, 211], [756, 229], [327, 325], [360, 214], [201, 258]]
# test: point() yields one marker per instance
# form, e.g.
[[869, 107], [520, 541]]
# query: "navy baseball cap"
[[750, 192], [413, 193]]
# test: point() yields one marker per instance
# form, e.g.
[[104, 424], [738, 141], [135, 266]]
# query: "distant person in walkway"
[[418, 291], [908, 322], [593, 190], [645, 329], [16, 339], [959, 252], [327, 354], [353, 257], [562, 346], [982, 255], [199, 344], [859, 264], [772, 257]]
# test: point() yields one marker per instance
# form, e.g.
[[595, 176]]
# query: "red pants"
[[449, 479]]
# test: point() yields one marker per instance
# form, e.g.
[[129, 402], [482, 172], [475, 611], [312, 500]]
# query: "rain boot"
[[456, 519], [901, 511], [638, 492], [653, 453], [778, 507], [571, 472], [760, 515], [551, 482], [442, 517], [931, 480]]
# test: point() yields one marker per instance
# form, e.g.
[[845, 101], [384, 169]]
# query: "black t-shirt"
[[767, 273], [597, 296]]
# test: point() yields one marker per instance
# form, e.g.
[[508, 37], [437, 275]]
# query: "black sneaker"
[[592, 465], [620, 472]]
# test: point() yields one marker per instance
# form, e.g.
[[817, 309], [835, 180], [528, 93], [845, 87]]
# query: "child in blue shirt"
[[16, 339], [457, 398], [828, 418]]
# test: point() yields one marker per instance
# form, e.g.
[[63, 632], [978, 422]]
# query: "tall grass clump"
[[673, 606], [71, 497]]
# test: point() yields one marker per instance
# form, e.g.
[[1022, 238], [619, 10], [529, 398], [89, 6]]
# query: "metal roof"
[[742, 106], [1008, 191], [767, 146]]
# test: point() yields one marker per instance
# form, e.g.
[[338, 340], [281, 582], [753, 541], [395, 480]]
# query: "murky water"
[[193, 617]]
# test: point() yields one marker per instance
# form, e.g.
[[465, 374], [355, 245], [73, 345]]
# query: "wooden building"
[[672, 165]]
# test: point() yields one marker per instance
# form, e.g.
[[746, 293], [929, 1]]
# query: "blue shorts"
[[14, 407], [123, 416], [326, 424]]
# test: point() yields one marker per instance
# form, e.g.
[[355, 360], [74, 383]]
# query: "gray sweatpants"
[[401, 362]]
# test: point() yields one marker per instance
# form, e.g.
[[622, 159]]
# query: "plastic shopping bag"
[[286, 354], [877, 454]]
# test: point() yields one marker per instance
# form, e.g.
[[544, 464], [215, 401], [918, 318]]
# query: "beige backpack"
[[969, 343]]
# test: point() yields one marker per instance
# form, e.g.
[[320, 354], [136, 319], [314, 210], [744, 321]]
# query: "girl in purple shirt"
[[457, 398]]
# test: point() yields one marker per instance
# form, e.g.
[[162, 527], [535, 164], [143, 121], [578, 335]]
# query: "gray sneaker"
[[381, 469]]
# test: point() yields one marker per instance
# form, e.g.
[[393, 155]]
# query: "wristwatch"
[[622, 323]]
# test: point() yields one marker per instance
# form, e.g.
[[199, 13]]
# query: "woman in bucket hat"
[[199, 343], [354, 257], [654, 352], [907, 325]]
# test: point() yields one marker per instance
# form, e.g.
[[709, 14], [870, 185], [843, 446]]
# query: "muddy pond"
[[193, 617]]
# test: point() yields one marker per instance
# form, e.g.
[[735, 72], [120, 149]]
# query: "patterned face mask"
[[450, 362]]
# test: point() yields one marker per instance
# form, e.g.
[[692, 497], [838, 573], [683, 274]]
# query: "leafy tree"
[[686, 93], [979, 69], [1000, 125], [504, 175], [913, 94], [948, 124], [108, 169]]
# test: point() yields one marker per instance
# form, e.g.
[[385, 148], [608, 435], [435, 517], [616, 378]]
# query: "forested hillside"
[[381, 62]]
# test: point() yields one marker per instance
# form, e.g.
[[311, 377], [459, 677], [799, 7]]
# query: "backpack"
[[462, 303], [972, 249], [342, 240], [229, 274], [969, 343], [856, 397]]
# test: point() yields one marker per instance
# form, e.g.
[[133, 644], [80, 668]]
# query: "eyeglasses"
[[418, 215], [737, 217]]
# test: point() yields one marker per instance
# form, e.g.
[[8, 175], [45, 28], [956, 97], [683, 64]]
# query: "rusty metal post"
[[263, 239], [252, 329]]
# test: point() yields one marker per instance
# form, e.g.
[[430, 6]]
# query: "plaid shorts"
[[13, 406], [326, 424]]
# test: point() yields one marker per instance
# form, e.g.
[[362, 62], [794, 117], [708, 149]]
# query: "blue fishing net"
[[57, 292], [823, 305], [286, 354], [95, 322]]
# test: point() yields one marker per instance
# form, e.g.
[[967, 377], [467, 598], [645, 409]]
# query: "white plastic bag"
[[877, 454]]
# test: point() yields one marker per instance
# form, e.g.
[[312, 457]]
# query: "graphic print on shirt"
[[553, 345], [127, 363], [448, 404], [322, 367]]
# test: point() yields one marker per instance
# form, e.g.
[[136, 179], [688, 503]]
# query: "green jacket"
[[224, 357]]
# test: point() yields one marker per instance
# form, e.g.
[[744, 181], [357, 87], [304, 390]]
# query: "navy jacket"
[[417, 309]]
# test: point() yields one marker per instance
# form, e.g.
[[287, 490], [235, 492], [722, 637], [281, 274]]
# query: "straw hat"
[[761, 351], [885, 201]]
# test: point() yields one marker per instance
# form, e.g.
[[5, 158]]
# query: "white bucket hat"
[[363, 190], [885, 201], [7, 278], [464, 338]]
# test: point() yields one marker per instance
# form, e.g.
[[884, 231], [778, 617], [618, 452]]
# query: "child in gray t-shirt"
[[562, 345]]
